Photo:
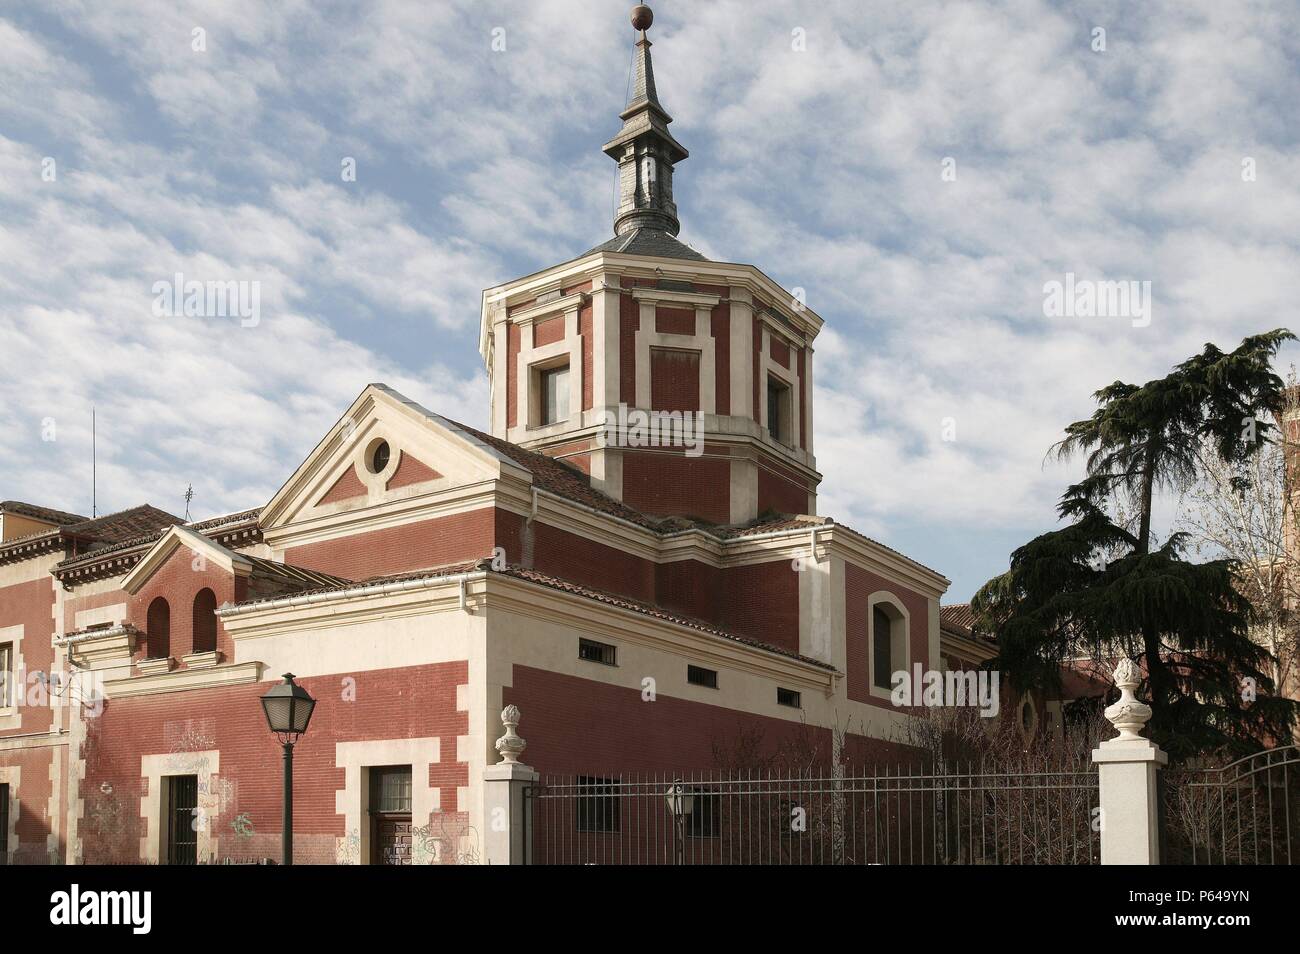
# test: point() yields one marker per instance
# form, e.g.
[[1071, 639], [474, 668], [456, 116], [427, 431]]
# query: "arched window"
[[882, 647], [158, 630], [205, 622]]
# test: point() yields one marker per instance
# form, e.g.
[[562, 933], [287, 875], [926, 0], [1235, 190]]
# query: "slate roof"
[[648, 242]]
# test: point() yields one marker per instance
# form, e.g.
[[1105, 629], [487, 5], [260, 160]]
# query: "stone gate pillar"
[[504, 786], [1127, 768]]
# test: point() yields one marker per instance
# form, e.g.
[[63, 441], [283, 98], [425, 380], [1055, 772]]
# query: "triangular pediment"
[[171, 541], [384, 449]]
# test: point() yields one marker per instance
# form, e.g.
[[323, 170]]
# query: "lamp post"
[[288, 708], [681, 803]]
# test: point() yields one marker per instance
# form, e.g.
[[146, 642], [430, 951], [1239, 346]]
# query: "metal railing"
[[1245, 813], [945, 815]]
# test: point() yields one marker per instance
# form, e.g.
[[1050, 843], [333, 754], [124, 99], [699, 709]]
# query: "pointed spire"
[[644, 148]]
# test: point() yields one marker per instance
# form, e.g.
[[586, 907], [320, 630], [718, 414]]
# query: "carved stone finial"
[[510, 745], [1129, 714]]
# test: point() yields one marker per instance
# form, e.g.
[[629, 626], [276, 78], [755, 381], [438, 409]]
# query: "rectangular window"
[[390, 789], [593, 651], [6, 674], [699, 676], [597, 804], [703, 819], [881, 648], [778, 410], [788, 697], [182, 792], [553, 389]]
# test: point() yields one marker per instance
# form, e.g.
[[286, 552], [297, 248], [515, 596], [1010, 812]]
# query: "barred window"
[[597, 804], [703, 819], [699, 676], [592, 651]]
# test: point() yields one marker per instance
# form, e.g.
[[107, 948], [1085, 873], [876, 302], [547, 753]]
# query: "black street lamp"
[[288, 709], [681, 805]]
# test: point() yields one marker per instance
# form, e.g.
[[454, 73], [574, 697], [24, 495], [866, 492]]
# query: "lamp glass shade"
[[288, 707]]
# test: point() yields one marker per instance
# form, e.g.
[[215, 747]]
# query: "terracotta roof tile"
[[124, 525], [561, 479], [58, 517]]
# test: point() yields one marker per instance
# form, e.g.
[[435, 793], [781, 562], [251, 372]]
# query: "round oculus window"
[[379, 457]]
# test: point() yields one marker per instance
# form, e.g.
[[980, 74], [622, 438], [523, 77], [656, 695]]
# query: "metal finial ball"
[[642, 17]]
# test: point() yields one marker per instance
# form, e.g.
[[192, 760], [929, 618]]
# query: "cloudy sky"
[[819, 134]]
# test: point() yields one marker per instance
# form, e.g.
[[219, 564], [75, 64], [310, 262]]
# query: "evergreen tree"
[[1102, 589]]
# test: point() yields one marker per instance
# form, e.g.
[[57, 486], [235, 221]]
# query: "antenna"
[[189, 495], [94, 500]]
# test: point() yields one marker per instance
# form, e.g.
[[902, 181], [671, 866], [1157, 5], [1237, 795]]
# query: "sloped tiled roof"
[[294, 577], [561, 479], [651, 242], [47, 514], [124, 525], [959, 618]]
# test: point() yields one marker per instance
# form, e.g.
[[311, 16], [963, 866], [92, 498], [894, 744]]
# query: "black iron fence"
[[943, 815], [1246, 812]]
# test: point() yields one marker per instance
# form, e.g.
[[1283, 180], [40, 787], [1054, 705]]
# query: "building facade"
[[631, 555]]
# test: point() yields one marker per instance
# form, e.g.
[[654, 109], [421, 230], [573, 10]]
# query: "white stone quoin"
[[1127, 767]]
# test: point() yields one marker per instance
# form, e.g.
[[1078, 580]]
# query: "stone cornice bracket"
[[1129, 715], [510, 746]]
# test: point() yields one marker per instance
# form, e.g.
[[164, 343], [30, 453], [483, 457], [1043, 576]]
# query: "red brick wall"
[[513, 344], [410, 471], [667, 482], [779, 351], [348, 485], [629, 320], [674, 380], [762, 602], [583, 560], [416, 546], [858, 585], [780, 489], [413, 702], [178, 582], [74, 603], [720, 327], [675, 321], [548, 332], [31, 605], [585, 318], [33, 796], [803, 401], [692, 589], [581, 726]]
